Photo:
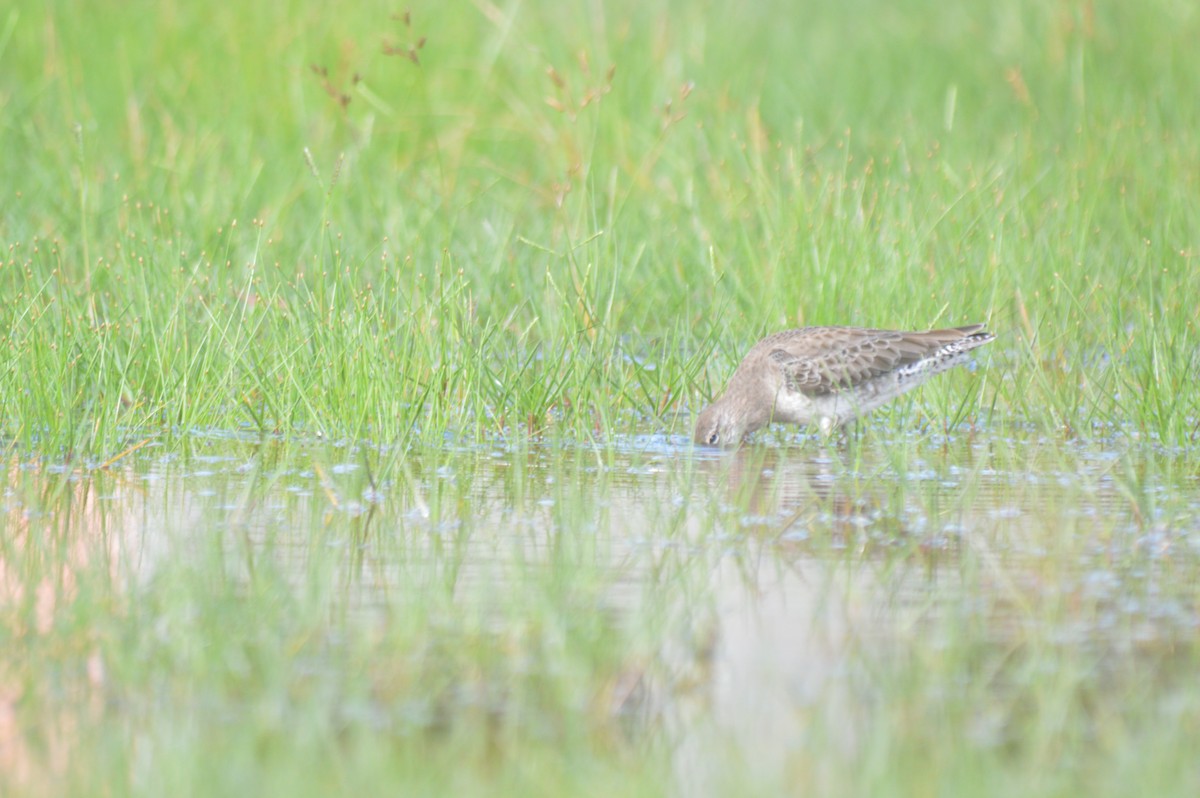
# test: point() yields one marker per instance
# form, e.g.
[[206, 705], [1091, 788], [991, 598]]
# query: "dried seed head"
[[337, 170]]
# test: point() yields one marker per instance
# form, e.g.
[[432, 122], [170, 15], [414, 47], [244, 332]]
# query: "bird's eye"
[[713, 438]]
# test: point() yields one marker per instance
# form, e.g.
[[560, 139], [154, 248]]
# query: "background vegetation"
[[473, 217]]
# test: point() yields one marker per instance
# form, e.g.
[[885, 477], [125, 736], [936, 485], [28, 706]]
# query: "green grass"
[[201, 233], [424, 274]]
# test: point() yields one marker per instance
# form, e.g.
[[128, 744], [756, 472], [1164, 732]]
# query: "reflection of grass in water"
[[529, 619], [469, 222], [275, 627]]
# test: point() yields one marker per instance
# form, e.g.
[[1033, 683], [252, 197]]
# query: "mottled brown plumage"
[[829, 375]]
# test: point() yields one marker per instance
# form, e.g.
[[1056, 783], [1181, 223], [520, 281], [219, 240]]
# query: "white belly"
[[793, 407]]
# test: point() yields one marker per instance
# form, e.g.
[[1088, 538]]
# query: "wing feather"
[[820, 361]]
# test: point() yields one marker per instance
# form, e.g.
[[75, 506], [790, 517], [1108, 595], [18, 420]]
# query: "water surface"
[[763, 608]]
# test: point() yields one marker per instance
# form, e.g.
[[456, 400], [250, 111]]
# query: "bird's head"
[[717, 426]]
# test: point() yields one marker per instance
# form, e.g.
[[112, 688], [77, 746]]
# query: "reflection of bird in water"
[[831, 499], [781, 494], [828, 376]]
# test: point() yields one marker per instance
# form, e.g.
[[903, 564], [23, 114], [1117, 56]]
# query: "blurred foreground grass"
[[984, 619]]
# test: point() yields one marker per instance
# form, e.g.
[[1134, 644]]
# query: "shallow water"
[[772, 585]]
